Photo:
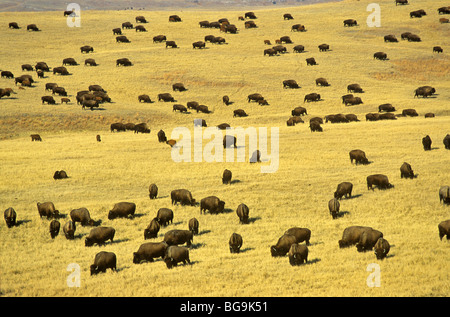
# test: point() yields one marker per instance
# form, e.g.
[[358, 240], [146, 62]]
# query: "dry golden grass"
[[123, 165]]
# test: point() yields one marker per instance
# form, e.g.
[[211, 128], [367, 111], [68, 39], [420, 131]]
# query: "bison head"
[[94, 269], [88, 242]]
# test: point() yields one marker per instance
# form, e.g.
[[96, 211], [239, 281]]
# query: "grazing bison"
[[203, 108], [390, 38], [343, 189], [298, 254], [174, 18], [242, 212], [424, 91], [223, 126], [410, 113], [413, 38], [152, 229], [60, 175], [299, 111], [149, 251], [283, 245], [256, 157], [312, 97], [153, 191], [235, 242], [54, 228], [322, 82], [352, 235], [193, 225], [298, 28], [354, 88], [255, 97], [381, 248], [270, 52], [333, 207], [324, 47], [298, 48], [300, 234], [437, 49], [380, 55], [139, 28], [99, 236], [86, 49], [60, 70], [69, 230], [311, 61], [117, 31], [351, 117], [401, 2], [61, 91], [352, 101], [164, 216], [178, 87], [406, 171], [178, 236], [48, 99], [182, 196], [199, 45], [444, 194], [7, 74], [118, 126], [239, 113], [98, 138], [368, 239], [446, 141], [286, 39], [13, 25], [166, 97], [122, 210], [226, 177], [102, 261], [123, 62], [171, 44], [10, 216], [89, 104], [290, 83], [161, 136], [122, 39], [213, 204], [226, 100], [229, 141], [180, 108], [379, 180], [359, 156], [287, 16], [69, 61], [250, 15], [387, 107], [444, 229], [48, 210], [426, 142], [144, 98], [250, 25], [32, 27], [350, 22], [127, 25], [314, 126], [141, 19], [83, 216], [175, 255]]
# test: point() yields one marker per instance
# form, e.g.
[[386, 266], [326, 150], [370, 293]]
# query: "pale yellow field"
[[123, 165]]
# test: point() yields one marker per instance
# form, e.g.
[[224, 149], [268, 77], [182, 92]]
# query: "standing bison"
[[164, 216], [55, 225], [213, 204], [379, 180], [298, 254], [426, 142], [149, 251], [406, 171], [153, 191], [175, 255], [152, 229], [122, 210], [446, 141], [333, 206], [381, 248], [353, 235], [235, 243], [444, 194], [48, 210], [444, 229], [358, 156], [69, 230], [10, 217], [182, 196], [193, 225], [82, 215], [300, 234], [283, 245], [99, 236], [242, 212], [226, 177], [102, 261], [178, 236]]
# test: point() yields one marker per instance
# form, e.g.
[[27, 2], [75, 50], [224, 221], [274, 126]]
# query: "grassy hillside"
[[123, 165]]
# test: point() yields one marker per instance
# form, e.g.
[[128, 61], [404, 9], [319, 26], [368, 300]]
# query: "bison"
[[144, 98], [242, 212], [298, 48], [199, 45], [149, 251], [48, 99], [350, 22], [290, 83], [54, 228], [343, 189], [161, 137], [83, 216], [390, 38], [87, 49], [311, 61], [379, 180], [178, 236], [99, 236], [314, 126], [152, 229], [387, 107], [283, 245], [182, 196], [123, 62], [60, 175], [444, 194], [322, 82], [444, 229], [60, 70], [298, 28], [235, 242], [171, 44], [352, 235], [102, 261], [229, 141], [153, 191], [178, 87], [48, 210], [406, 171], [300, 234], [312, 97], [69, 230], [333, 207], [380, 55], [213, 204], [299, 111], [426, 142], [122, 210], [324, 47], [359, 156], [424, 91], [164, 216], [446, 141], [166, 97], [10, 216], [410, 113], [368, 239], [381, 248], [175, 255], [298, 254], [193, 225], [226, 177], [239, 113]]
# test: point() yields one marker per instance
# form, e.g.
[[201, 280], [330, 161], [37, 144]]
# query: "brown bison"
[[69, 61], [152, 229], [324, 47], [288, 16], [10, 216], [354, 88], [60, 70], [350, 22], [171, 44], [270, 52], [390, 38], [48, 99], [229, 141], [387, 107], [153, 191], [314, 126], [199, 45], [359, 156], [144, 98], [47, 209], [164, 216], [410, 113], [166, 97], [83, 216], [444, 194], [123, 62], [298, 254], [426, 142], [333, 207], [69, 229], [283, 245], [311, 61], [178, 236], [122, 39], [381, 248], [235, 242], [213, 204], [379, 180], [300, 234], [175, 255], [353, 235], [193, 225], [60, 175], [352, 101], [90, 62], [99, 236], [406, 171], [162, 136], [424, 91], [343, 189], [141, 19], [149, 251], [444, 229], [122, 210], [298, 48], [35, 137], [290, 83], [437, 49], [178, 87], [226, 177], [182, 196], [32, 27], [127, 25], [380, 55], [299, 111], [322, 82], [242, 212], [446, 141], [298, 28], [312, 97], [54, 227], [102, 261], [13, 25], [87, 49], [179, 108]]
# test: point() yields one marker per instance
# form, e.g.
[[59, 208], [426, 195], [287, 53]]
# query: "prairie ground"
[[123, 165]]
